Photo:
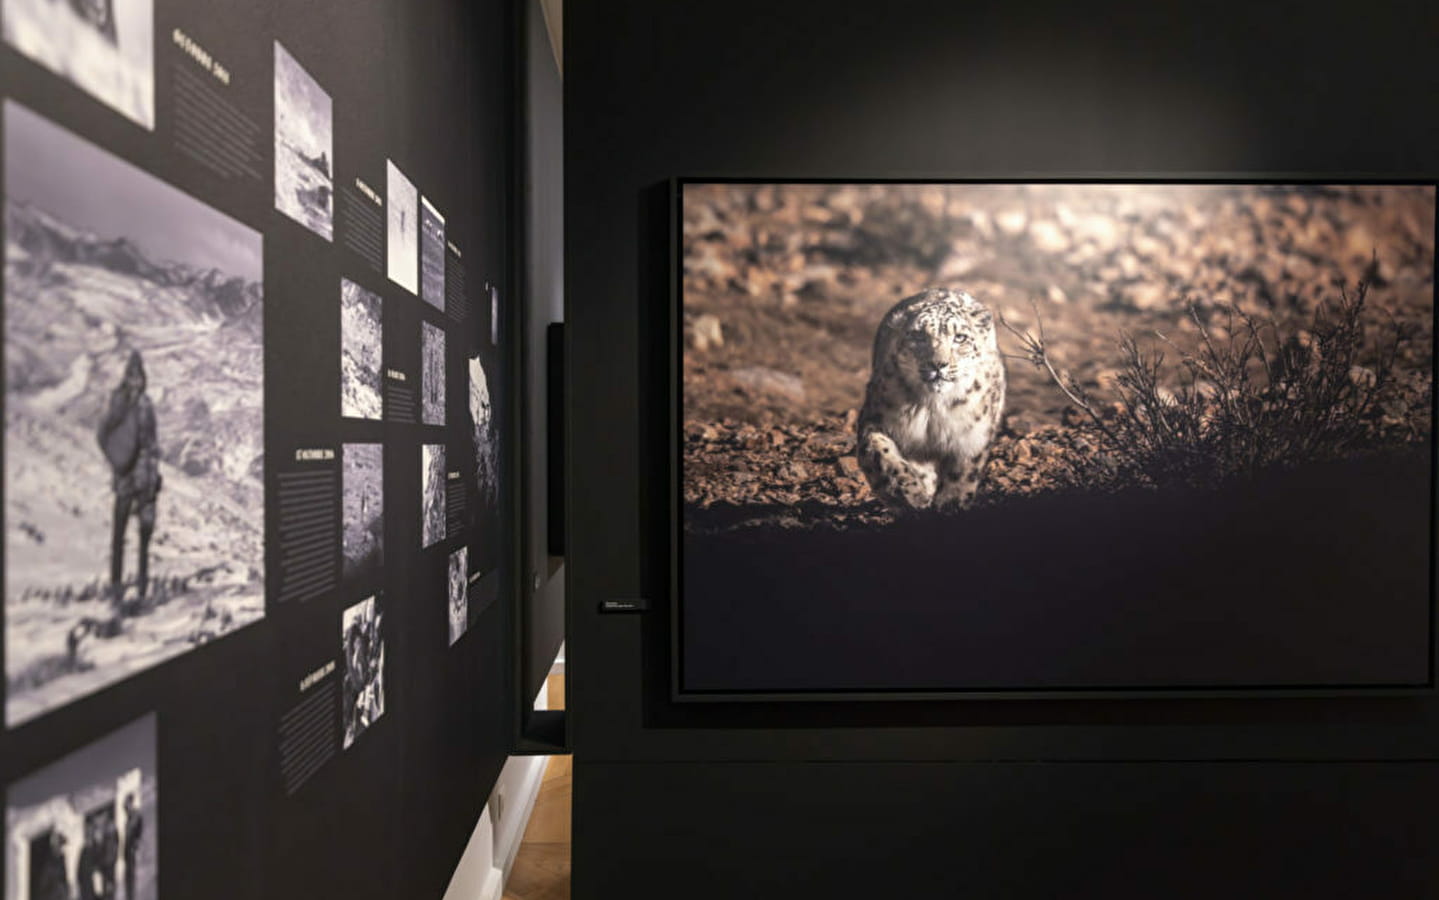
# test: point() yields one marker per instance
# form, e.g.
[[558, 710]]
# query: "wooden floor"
[[542, 867]]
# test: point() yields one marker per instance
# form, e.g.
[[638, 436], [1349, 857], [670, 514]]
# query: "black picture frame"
[[672, 328]]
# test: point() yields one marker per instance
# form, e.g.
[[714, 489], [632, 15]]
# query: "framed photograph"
[[1019, 439]]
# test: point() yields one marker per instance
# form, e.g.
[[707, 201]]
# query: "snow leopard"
[[934, 402]]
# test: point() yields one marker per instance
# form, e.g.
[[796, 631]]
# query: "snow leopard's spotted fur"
[[933, 403]]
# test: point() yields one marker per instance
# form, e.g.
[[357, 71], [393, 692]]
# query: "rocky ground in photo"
[[784, 286]]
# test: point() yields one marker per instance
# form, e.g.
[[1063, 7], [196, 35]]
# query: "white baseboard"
[[489, 856], [494, 887], [477, 877], [522, 788]]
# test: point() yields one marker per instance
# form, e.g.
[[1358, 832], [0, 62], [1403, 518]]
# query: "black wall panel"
[[544, 279], [943, 90], [430, 87]]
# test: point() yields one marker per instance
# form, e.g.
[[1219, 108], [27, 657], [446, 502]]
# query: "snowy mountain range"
[[76, 306]]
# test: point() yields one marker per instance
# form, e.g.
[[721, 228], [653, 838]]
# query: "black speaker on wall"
[[555, 422]]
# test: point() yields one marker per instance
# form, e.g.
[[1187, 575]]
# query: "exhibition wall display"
[[1048, 438], [254, 459]]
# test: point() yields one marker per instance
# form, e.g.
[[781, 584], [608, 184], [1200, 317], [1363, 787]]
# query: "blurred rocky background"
[[784, 286]]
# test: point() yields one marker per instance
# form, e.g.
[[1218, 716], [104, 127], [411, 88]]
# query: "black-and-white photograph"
[[1056, 436], [432, 374], [361, 351], [363, 512], [403, 229], [304, 147], [85, 826], [459, 605], [104, 47], [134, 389], [485, 434], [432, 255], [432, 494], [362, 641]]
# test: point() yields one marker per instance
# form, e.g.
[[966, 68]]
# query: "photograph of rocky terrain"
[[361, 351], [402, 216], [432, 494], [486, 438], [363, 513], [459, 607], [304, 147], [86, 824], [362, 644], [134, 387], [432, 255], [105, 48], [432, 374], [1171, 353]]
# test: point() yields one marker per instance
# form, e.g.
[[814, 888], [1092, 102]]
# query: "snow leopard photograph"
[[402, 247], [304, 147], [1055, 420], [432, 494], [86, 824], [432, 255], [104, 47], [459, 607], [133, 446], [362, 643], [432, 374], [362, 350], [362, 513]]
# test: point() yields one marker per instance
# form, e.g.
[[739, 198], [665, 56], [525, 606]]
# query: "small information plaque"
[[624, 605]]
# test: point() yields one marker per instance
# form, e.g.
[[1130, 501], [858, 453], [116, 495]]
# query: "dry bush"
[[1256, 395]]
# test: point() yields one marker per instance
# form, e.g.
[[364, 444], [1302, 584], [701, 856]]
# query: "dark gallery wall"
[[296, 713], [1256, 797]]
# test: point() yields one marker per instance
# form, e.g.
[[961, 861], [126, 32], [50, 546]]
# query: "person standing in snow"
[[127, 437]]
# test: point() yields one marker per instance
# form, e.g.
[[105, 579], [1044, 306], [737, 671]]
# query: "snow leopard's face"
[[940, 340]]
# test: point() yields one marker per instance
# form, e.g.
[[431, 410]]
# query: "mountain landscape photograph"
[[432, 374], [484, 435], [361, 351], [133, 441], [304, 147], [363, 512], [432, 494]]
